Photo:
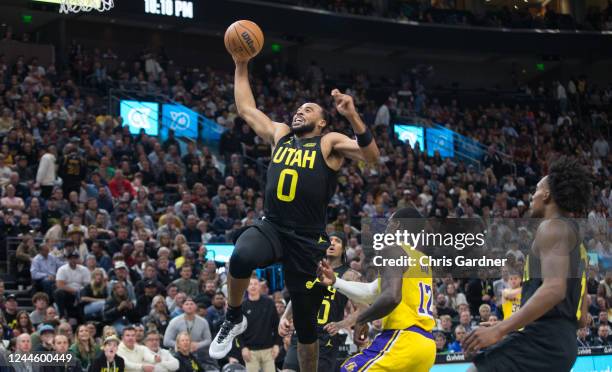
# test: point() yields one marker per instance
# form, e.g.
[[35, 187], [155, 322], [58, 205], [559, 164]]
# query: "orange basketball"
[[243, 39]]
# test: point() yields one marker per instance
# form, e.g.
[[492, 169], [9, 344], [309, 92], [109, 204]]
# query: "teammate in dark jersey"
[[301, 179], [542, 334], [331, 313]]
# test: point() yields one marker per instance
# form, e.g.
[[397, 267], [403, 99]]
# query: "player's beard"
[[303, 129]]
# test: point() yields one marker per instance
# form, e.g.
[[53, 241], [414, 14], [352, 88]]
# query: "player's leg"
[[472, 369], [253, 249], [305, 309], [409, 351], [369, 355]]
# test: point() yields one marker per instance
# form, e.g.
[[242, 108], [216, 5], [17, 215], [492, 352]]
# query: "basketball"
[[243, 39]]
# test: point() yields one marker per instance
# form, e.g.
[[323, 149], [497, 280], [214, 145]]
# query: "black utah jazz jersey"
[[299, 184], [332, 306], [569, 308]]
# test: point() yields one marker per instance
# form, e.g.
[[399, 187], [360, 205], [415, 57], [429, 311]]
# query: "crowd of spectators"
[[111, 228], [519, 15]]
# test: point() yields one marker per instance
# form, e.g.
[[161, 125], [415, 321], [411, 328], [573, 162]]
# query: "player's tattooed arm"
[[246, 106], [391, 284], [554, 241]]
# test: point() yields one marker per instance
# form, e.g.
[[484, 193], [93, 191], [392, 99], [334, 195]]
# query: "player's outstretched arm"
[[246, 106], [364, 293], [391, 284], [554, 241], [364, 148]]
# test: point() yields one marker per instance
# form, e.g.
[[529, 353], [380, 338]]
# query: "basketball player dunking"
[[541, 335], [301, 180]]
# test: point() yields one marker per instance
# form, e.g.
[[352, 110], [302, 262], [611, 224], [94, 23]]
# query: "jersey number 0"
[[287, 172]]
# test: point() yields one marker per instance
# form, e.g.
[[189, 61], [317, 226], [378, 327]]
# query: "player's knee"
[[472, 368], [241, 264]]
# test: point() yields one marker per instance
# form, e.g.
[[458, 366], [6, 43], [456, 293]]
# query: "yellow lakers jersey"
[[510, 307], [415, 309]]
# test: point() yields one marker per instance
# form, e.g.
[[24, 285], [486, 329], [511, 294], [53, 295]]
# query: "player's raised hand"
[[344, 103], [326, 273]]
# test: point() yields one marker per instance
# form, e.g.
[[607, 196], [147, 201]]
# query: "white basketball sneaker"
[[222, 344]]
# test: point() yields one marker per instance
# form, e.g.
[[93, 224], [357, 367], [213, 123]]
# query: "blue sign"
[[469, 147], [410, 134], [211, 130], [440, 140], [183, 121], [139, 115], [219, 252]]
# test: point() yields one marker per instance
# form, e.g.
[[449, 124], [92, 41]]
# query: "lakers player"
[[402, 297], [511, 297], [541, 335], [300, 181]]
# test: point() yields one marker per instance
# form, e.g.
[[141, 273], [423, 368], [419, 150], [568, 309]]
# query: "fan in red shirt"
[[119, 186]]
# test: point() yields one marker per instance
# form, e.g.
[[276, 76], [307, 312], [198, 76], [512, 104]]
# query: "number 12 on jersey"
[[426, 297]]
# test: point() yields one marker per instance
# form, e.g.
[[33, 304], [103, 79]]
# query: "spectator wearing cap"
[[71, 278], [143, 305], [149, 273], [164, 361], [137, 358], [194, 325], [46, 173], [10, 311], [47, 333], [43, 270], [93, 296], [122, 274], [260, 341], [108, 360], [40, 300], [185, 283]]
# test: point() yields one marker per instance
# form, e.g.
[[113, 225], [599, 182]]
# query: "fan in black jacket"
[[118, 308], [187, 360], [108, 360]]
